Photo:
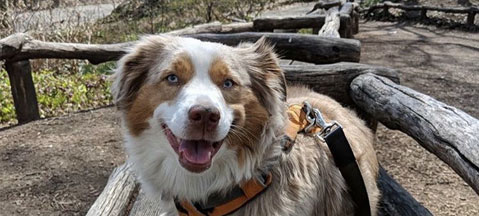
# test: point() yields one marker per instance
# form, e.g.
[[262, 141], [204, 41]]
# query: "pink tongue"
[[197, 152]]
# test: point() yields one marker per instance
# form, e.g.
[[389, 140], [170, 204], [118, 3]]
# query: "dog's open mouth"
[[194, 155]]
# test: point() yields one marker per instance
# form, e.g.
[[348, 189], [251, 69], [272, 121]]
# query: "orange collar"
[[246, 192], [297, 123]]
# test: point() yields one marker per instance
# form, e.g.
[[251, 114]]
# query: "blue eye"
[[172, 78], [228, 83]]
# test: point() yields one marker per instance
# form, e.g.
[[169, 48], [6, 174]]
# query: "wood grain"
[[118, 194], [447, 132]]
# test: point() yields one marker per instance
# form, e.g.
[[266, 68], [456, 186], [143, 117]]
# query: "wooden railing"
[[470, 11]]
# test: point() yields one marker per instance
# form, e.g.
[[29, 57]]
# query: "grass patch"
[[7, 110], [60, 93], [305, 31]]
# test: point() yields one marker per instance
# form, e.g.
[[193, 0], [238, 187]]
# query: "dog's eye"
[[172, 78], [228, 83]]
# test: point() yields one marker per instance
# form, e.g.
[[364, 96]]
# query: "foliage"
[[60, 93], [7, 111], [305, 31]]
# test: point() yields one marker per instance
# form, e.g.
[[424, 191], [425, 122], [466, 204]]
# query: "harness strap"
[[346, 162], [250, 190]]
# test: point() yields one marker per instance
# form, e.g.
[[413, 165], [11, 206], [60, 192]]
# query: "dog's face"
[[190, 107]]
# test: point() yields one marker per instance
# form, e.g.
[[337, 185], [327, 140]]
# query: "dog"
[[201, 118]]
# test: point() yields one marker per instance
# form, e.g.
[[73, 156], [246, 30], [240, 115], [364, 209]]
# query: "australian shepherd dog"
[[201, 118]]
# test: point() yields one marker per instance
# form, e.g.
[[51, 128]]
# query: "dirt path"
[[440, 63], [58, 166], [445, 65]]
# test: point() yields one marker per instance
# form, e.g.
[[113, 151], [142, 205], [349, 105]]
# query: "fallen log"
[[334, 79], [214, 27], [237, 27], [449, 133], [295, 22], [298, 22], [305, 48], [21, 46]]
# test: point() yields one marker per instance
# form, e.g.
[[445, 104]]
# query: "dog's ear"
[[133, 68], [267, 78]]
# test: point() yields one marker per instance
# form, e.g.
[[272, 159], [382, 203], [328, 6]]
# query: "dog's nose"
[[207, 116]]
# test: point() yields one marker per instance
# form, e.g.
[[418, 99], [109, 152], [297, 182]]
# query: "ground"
[[58, 166], [444, 65]]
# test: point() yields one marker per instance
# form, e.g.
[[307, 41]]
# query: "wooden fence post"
[[23, 90], [385, 11], [423, 14], [470, 18]]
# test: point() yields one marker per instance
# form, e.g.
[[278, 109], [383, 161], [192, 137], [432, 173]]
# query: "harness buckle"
[[315, 118], [309, 116]]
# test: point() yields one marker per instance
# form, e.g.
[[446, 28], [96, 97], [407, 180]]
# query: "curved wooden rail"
[[449, 133]]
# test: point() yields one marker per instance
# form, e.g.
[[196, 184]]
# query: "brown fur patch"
[[249, 115], [135, 71], [219, 71], [250, 119], [267, 79], [150, 96], [181, 67]]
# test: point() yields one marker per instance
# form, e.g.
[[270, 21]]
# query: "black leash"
[[349, 168]]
